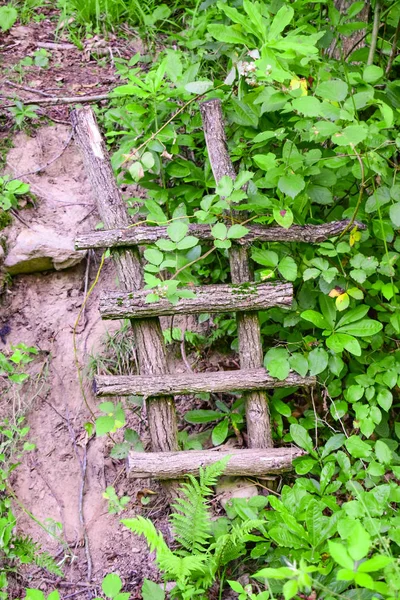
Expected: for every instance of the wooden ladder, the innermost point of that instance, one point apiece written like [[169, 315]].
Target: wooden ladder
[[242, 296]]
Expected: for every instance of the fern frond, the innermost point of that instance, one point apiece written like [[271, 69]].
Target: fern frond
[[154, 538], [230, 546], [209, 475], [191, 521], [28, 551], [179, 568]]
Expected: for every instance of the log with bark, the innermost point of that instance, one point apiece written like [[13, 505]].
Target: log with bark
[[195, 383], [207, 299], [147, 333], [242, 463], [143, 235]]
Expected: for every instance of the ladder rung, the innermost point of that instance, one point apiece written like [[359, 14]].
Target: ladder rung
[[194, 383], [143, 235], [250, 462], [246, 297]]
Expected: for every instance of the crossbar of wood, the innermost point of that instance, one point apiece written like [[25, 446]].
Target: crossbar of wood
[[195, 383], [174, 465], [147, 234], [207, 299]]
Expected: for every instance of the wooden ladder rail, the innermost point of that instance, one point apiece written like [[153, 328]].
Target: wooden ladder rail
[[149, 342]]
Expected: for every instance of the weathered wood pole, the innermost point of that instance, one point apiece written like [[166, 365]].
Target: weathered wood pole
[[147, 333], [250, 347]]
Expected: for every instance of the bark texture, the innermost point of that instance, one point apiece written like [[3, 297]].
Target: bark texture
[[194, 383], [208, 299], [147, 332], [250, 347], [143, 235], [174, 465]]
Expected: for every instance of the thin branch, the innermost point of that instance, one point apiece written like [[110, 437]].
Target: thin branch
[[393, 51], [374, 36], [26, 88], [68, 100]]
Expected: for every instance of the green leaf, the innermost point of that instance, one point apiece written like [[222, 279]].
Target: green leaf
[[203, 416], [291, 185], [309, 106], [104, 425], [341, 341], [350, 136], [385, 399], [359, 542], [290, 589], [8, 16], [333, 443], [283, 217], [315, 318], [379, 198], [335, 90], [177, 230], [288, 268], [228, 34], [394, 213], [265, 161], [354, 315], [383, 453], [357, 448], [199, 87], [267, 258], [318, 361], [340, 555], [111, 585], [281, 20], [363, 328], [279, 368], [320, 194], [32, 594], [219, 231], [299, 363], [152, 591], [225, 186], [236, 232], [372, 73], [376, 563], [153, 256], [301, 437], [220, 432], [188, 242]]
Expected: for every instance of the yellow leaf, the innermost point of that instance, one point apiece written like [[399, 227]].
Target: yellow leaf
[[342, 301], [296, 83], [334, 293], [355, 236]]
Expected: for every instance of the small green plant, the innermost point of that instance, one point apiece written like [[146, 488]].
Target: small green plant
[[12, 365], [23, 113], [8, 16], [116, 504], [11, 190]]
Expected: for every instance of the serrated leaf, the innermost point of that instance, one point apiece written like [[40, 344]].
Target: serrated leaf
[[198, 87], [288, 268], [334, 90], [291, 185], [284, 217]]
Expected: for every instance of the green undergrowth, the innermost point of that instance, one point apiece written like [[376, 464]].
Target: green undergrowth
[[313, 135]]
